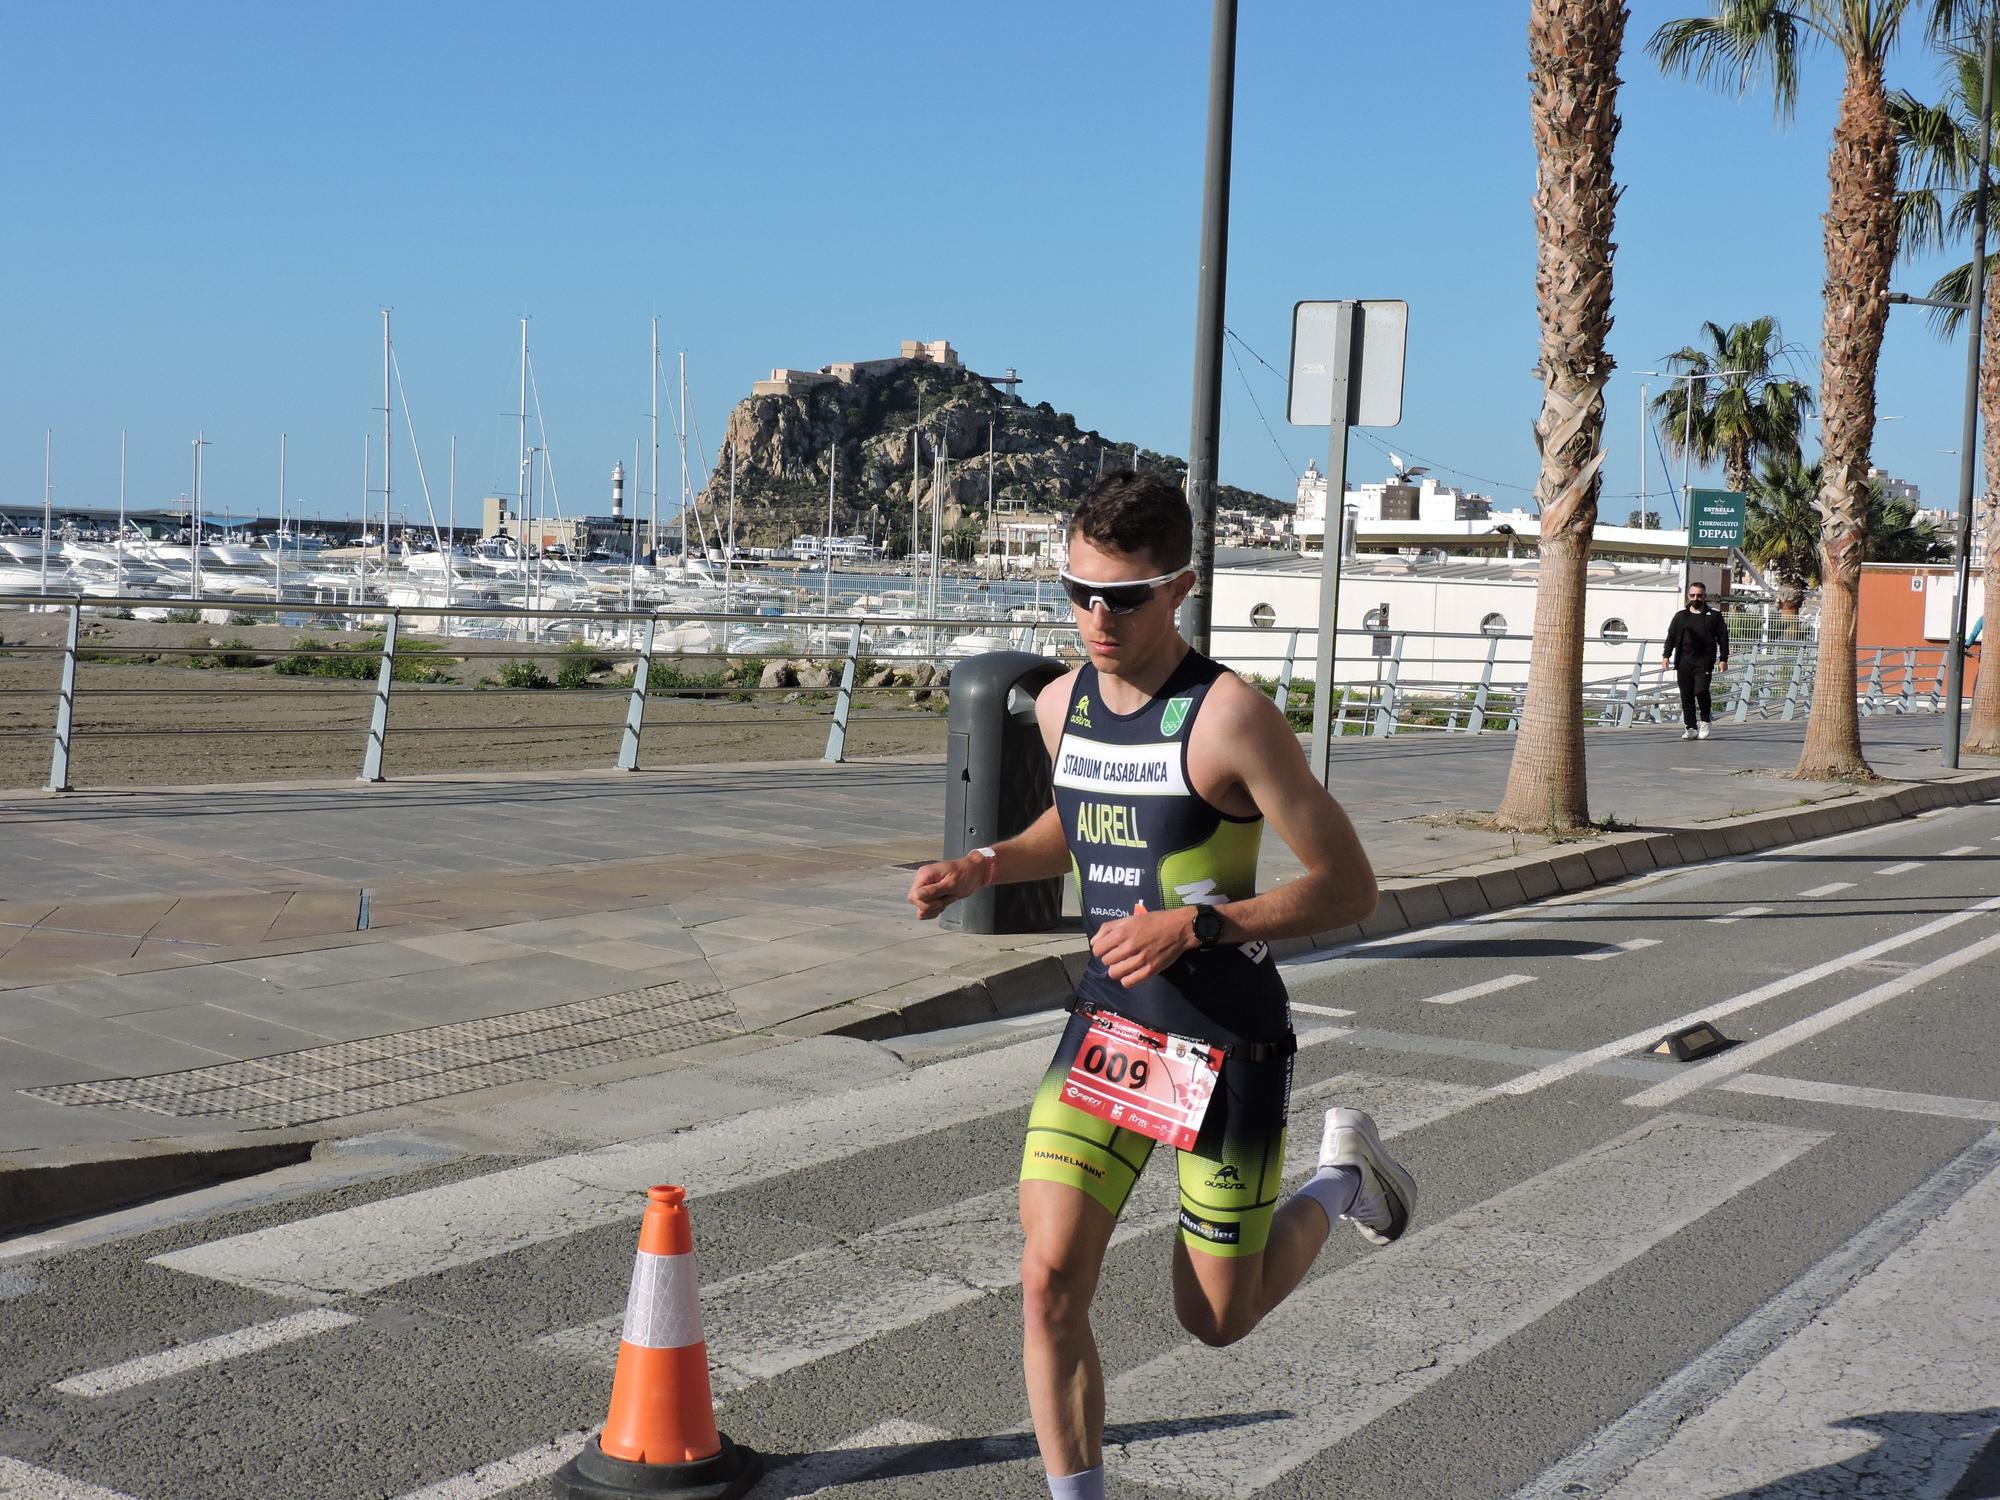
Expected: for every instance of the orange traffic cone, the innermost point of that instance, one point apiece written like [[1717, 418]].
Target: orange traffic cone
[[661, 1438]]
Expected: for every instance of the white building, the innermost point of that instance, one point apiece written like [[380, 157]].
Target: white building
[[1466, 610], [1394, 500]]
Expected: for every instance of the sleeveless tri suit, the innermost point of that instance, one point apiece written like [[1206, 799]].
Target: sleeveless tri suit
[[1139, 831]]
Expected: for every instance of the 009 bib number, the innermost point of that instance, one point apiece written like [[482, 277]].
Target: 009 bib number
[[1139, 1079]]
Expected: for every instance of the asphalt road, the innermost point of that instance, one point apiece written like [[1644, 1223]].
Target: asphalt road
[[1766, 1274]]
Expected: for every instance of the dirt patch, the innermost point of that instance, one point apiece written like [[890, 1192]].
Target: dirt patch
[[194, 704]]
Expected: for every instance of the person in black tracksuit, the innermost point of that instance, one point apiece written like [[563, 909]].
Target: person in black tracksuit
[[1697, 647]]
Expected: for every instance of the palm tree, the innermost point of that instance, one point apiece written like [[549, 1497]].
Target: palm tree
[[1738, 417], [1740, 43], [1782, 529], [1573, 48], [1940, 146]]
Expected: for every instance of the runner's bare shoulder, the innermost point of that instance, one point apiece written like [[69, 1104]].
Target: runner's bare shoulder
[[1050, 705]]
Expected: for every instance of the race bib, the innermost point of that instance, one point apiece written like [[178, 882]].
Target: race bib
[[1140, 1079]]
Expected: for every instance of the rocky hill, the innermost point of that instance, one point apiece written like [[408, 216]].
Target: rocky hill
[[786, 444]]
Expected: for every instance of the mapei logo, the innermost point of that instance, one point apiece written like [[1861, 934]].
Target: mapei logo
[[1080, 715], [1175, 714], [1113, 875]]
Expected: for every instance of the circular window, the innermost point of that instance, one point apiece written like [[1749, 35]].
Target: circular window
[[1263, 616], [1372, 620], [1615, 633], [1494, 624]]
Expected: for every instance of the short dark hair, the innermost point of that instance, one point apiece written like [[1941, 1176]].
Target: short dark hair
[[1126, 511]]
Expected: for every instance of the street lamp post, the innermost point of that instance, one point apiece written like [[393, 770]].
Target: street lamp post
[[1687, 453]]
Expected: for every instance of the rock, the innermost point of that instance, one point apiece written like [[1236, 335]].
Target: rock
[[879, 679], [813, 676], [923, 676], [778, 674]]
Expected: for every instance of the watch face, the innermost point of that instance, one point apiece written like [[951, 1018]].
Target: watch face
[[1207, 924]]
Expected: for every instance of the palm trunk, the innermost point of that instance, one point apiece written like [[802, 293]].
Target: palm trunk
[[1573, 48], [1860, 245], [1982, 735]]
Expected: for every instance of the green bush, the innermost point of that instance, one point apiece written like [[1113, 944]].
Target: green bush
[[183, 617], [578, 661], [360, 661], [243, 617], [236, 653], [520, 673]]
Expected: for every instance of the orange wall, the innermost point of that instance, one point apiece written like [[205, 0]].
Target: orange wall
[[1892, 614]]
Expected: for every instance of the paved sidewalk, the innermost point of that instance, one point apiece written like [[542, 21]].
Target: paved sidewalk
[[193, 965]]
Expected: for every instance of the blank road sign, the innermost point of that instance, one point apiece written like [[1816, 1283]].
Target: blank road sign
[[1375, 378]]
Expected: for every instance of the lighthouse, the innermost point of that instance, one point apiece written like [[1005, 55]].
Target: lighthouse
[[618, 491]]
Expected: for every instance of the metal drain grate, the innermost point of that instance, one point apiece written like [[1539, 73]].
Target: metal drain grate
[[407, 1067]]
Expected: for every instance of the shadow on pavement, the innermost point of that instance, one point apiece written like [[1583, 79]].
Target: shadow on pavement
[[1901, 1464]]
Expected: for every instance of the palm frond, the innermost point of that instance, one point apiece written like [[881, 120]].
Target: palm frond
[[1919, 222], [1954, 286], [1937, 148], [1744, 41]]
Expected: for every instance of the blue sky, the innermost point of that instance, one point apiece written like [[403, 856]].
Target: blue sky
[[208, 204]]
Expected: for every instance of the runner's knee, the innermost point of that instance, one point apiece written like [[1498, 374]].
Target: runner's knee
[[1216, 1327], [1054, 1289]]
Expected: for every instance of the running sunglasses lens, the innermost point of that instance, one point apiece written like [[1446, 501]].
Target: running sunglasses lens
[[1119, 598]]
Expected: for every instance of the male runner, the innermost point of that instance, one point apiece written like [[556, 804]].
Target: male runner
[[1167, 766]]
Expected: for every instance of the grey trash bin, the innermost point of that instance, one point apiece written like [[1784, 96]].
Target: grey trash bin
[[998, 783]]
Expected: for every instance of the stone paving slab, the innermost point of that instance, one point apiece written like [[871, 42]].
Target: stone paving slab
[[779, 887]]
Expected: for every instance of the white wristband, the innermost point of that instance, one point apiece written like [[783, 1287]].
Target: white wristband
[[992, 864]]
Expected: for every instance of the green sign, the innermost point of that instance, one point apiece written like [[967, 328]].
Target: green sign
[[1717, 517]]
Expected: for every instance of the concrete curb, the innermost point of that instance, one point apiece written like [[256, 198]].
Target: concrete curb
[[1015, 987], [51, 1190]]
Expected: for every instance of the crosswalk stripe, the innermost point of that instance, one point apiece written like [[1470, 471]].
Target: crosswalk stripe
[[1857, 1096], [1902, 867], [25, 1481], [1833, 1402], [849, 1461], [1740, 913], [1962, 849], [1831, 888], [1742, 1057], [1614, 1450], [504, 1474], [1579, 1062], [210, 1351], [836, 1297], [1332, 1012], [1475, 991], [1350, 1347], [1630, 945], [375, 1245]]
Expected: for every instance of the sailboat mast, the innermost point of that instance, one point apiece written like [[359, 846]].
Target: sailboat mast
[[522, 520], [280, 585], [653, 524], [121, 510], [48, 511], [684, 459], [729, 554], [826, 547], [451, 522], [388, 445]]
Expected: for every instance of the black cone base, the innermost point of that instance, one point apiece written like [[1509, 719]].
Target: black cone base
[[595, 1475]]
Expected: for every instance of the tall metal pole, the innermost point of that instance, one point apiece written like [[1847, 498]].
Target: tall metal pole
[[1642, 456], [1208, 321], [826, 547], [1333, 537], [451, 526], [731, 548], [916, 484], [1968, 450], [1687, 522]]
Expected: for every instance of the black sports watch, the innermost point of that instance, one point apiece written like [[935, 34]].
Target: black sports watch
[[1207, 926]]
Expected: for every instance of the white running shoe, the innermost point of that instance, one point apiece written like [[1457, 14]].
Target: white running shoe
[[1388, 1195], [1703, 733], [1687, 734]]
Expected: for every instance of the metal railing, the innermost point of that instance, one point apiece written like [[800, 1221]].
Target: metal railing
[[637, 637], [1426, 681]]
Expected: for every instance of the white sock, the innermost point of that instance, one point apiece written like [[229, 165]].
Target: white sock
[[1333, 1189], [1089, 1485]]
